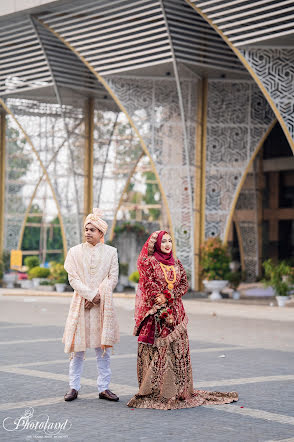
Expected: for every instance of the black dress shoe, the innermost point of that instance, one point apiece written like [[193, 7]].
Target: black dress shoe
[[71, 395], [108, 395]]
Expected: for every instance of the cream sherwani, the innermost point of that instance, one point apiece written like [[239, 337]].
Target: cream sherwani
[[91, 270]]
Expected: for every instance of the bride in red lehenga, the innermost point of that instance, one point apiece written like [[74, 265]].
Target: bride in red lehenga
[[164, 365]]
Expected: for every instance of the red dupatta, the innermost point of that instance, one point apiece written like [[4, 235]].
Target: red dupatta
[[142, 305]]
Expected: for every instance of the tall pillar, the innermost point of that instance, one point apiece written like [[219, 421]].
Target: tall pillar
[[2, 176], [259, 209], [89, 156], [199, 205]]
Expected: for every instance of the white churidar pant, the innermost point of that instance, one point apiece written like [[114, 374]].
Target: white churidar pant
[[103, 367]]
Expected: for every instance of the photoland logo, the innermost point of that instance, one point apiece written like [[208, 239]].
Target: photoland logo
[[39, 424]]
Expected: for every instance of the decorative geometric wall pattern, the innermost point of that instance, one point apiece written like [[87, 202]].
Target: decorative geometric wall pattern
[[248, 229], [154, 108], [237, 117], [275, 69]]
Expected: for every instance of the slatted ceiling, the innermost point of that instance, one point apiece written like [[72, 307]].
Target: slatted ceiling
[[245, 21], [37, 67], [130, 35], [127, 29], [155, 41], [136, 64], [22, 62], [229, 5], [194, 41], [131, 67], [138, 26], [67, 69], [109, 59], [127, 36], [265, 24], [93, 25], [250, 22], [78, 11], [249, 10]]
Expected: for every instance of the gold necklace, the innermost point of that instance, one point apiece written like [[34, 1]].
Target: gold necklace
[[170, 283]]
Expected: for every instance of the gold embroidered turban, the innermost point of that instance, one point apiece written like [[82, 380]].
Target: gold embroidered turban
[[95, 219]]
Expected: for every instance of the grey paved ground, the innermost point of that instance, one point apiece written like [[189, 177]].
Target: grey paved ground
[[249, 350]]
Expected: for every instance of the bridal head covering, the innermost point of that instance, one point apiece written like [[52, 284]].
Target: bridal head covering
[[164, 258], [96, 220], [150, 248]]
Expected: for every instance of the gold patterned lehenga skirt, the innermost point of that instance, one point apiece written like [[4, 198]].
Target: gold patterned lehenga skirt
[[165, 378]]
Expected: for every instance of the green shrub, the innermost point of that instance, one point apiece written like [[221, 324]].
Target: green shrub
[[1, 269], [38, 272], [274, 274], [137, 228], [5, 261], [215, 260], [235, 279], [31, 261], [58, 273], [123, 268], [134, 277], [47, 282]]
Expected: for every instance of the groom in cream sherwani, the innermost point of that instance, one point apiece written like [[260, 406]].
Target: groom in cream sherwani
[[91, 323]]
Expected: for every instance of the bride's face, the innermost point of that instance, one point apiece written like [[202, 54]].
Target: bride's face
[[166, 243]]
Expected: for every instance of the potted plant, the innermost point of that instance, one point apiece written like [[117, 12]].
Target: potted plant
[[29, 262], [59, 275], [134, 277], [38, 274], [47, 285], [275, 278], [123, 273], [214, 262], [1, 269], [8, 278], [234, 279]]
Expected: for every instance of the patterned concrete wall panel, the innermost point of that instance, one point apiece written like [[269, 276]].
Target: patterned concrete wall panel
[[248, 232], [238, 117], [275, 69], [154, 108]]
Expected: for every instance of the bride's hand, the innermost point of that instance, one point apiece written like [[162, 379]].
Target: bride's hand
[[160, 299]]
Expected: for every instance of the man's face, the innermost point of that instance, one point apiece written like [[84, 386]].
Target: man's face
[[92, 234], [166, 243]]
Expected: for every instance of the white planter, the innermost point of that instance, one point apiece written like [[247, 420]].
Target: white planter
[[46, 288], [124, 280], [36, 281], [26, 284], [215, 287], [281, 300], [10, 279], [60, 287], [236, 294], [119, 287]]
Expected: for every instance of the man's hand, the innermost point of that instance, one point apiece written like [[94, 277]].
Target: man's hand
[[96, 300], [88, 305]]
